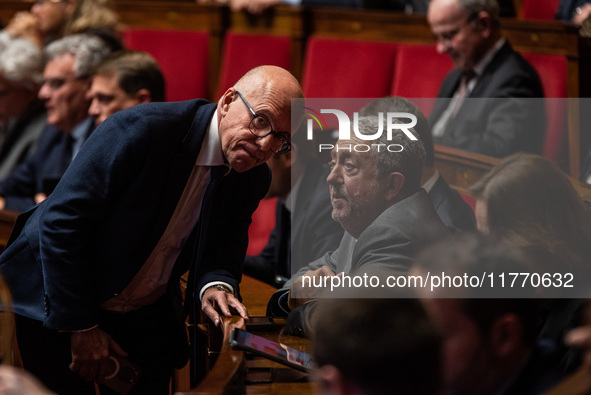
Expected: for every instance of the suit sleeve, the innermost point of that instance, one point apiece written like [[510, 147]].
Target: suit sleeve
[[227, 232], [72, 215], [277, 305]]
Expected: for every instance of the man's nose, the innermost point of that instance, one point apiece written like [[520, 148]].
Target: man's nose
[[265, 143], [44, 92], [441, 47], [334, 177], [93, 109]]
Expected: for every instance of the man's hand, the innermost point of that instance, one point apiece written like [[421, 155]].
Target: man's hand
[[90, 354], [39, 197], [298, 294], [583, 12], [215, 300]]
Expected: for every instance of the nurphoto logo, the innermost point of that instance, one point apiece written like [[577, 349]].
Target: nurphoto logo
[[344, 129]]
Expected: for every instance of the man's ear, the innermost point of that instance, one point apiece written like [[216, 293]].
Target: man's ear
[[506, 335], [71, 6], [483, 24], [143, 96], [395, 183], [331, 381], [225, 101], [286, 159]]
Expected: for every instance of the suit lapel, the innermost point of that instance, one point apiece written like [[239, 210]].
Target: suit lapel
[[484, 80]]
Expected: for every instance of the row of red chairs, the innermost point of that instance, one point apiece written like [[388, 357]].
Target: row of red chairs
[[331, 68]]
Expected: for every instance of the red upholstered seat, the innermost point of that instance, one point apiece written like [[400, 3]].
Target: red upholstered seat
[[469, 199], [539, 9], [183, 57], [553, 73], [418, 73], [347, 68], [243, 52], [263, 222]]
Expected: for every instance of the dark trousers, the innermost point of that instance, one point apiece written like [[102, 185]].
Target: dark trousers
[[152, 337]]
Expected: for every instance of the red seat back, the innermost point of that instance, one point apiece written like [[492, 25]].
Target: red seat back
[[347, 68], [243, 52], [552, 70], [539, 9], [418, 73], [183, 58], [263, 222]]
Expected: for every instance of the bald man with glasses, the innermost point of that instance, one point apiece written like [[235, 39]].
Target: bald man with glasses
[[160, 189]]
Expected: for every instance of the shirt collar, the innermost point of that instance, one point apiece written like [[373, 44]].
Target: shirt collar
[[80, 130], [211, 150], [427, 186], [487, 58]]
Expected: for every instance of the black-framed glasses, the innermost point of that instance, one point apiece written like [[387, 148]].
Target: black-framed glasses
[[261, 127]]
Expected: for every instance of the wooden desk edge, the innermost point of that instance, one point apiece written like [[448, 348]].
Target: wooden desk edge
[[226, 377]]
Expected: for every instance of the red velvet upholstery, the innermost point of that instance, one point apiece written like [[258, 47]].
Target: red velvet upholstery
[[418, 73], [347, 68], [470, 200], [183, 58], [263, 222], [539, 9], [553, 73], [243, 52]]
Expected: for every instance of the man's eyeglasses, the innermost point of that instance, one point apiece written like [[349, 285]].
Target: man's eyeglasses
[[260, 127], [56, 83], [446, 38]]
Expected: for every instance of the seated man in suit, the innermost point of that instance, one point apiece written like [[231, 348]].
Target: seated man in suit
[[449, 205], [377, 198], [22, 115], [304, 229], [159, 189], [400, 355], [67, 78], [489, 342], [486, 66], [124, 79]]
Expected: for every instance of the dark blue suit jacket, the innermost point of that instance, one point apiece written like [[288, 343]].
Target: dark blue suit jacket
[[49, 162], [85, 243], [508, 120]]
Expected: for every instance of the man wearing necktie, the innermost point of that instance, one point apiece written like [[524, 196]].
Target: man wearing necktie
[[158, 190], [485, 104]]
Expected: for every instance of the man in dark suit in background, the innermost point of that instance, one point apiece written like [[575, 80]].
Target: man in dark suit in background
[[158, 190], [304, 229], [448, 204], [67, 78], [508, 121]]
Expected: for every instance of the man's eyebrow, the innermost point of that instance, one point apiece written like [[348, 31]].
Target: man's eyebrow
[[268, 115]]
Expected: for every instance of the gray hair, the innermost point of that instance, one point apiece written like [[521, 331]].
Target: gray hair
[[21, 62], [473, 7], [409, 161], [87, 50]]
